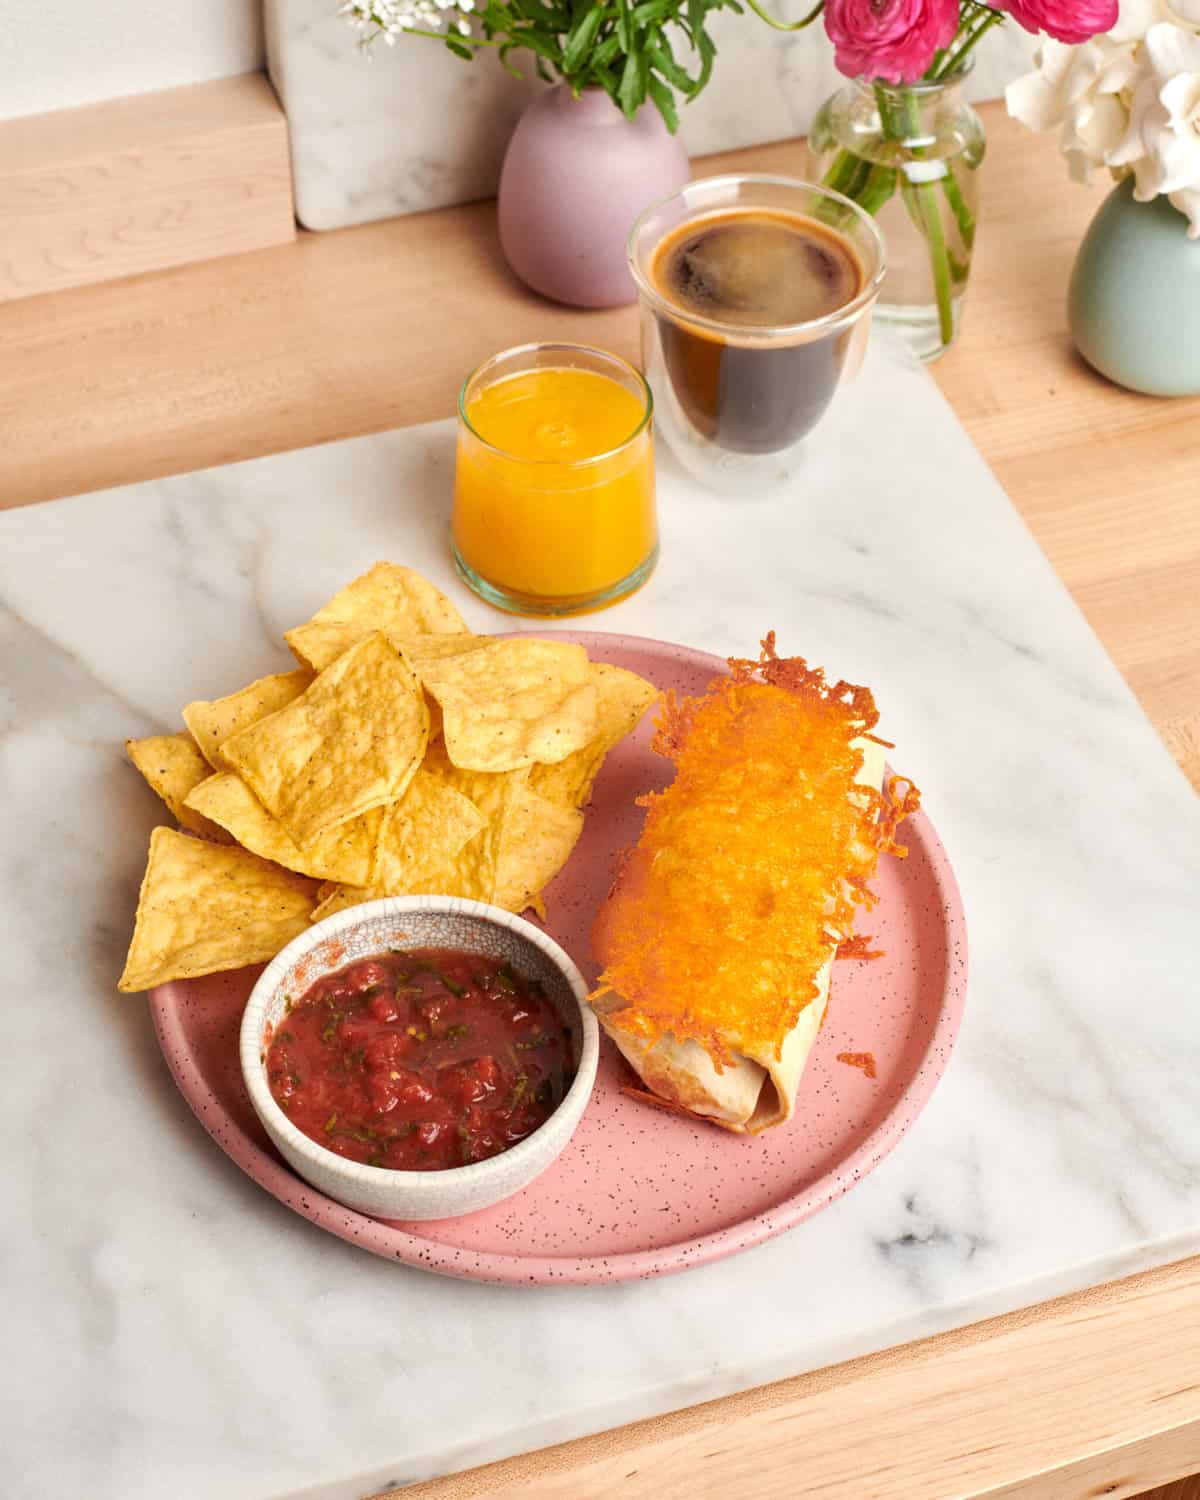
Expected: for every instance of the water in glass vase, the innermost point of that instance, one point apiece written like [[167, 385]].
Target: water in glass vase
[[910, 155]]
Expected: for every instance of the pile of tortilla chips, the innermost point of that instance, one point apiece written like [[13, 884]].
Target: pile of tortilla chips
[[404, 756]]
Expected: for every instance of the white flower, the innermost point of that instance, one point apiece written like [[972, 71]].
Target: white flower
[[1137, 16], [1084, 91], [390, 19], [1129, 101], [1187, 201], [1162, 143]]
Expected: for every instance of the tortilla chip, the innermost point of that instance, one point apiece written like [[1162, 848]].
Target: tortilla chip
[[174, 767], [344, 853], [319, 645], [422, 837], [512, 703], [213, 722], [422, 851], [508, 862], [492, 794], [621, 699], [350, 742], [473, 870], [207, 907], [486, 789], [389, 598], [334, 898], [524, 843], [422, 648], [535, 839]]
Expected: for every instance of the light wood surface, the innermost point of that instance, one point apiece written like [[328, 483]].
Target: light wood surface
[[1056, 1403], [131, 185], [373, 327]]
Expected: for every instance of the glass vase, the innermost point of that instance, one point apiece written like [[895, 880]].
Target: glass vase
[[910, 155]]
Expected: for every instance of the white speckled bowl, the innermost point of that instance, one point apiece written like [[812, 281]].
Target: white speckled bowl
[[419, 922]]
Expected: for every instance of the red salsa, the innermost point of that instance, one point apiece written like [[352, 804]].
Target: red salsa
[[421, 1059]]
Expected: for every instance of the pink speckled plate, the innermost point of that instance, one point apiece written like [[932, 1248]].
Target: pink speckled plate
[[640, 1191]]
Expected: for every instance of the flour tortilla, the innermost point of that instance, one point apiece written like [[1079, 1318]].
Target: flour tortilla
[[757, 1090]]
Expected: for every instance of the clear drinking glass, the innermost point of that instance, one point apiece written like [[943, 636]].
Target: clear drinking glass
[[736, 400], [554, 494]]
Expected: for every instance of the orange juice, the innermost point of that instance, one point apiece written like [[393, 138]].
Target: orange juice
[[554, 488]]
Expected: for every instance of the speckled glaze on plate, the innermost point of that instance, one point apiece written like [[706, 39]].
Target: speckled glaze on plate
[[640, 1191]]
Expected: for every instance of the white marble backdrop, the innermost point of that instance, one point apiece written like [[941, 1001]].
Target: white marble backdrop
[[171, 1330], [416, 128]]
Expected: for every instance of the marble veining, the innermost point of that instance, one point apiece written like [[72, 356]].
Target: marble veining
[[415, 128], [171, 1329]]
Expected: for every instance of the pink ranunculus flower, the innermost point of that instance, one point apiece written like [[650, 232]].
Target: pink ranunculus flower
[[1070, 21], [890, 39]]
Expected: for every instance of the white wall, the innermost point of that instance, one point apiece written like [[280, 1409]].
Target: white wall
[[56, 53]]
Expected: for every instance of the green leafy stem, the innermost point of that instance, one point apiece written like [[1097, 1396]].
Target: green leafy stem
[[872, 184], [619, 46]]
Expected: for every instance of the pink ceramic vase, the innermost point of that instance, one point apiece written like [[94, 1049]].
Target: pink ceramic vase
[[576, 176]]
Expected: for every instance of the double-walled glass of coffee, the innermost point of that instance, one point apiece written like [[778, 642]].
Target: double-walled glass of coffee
[[756, 294]]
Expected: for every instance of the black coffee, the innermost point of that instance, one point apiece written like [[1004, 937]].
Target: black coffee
[[758, 269], [751, 268]]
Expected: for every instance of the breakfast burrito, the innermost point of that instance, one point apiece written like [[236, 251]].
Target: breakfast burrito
[[718, 940]]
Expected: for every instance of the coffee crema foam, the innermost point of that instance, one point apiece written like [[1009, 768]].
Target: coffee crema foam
[[757, 268]]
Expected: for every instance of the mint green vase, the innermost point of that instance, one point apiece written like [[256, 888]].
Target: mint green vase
[[1134, 303]]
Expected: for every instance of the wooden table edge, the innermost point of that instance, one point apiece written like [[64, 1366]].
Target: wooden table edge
[[1004, 1422]]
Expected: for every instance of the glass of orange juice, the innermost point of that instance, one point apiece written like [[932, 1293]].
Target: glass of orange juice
[[554, 509]]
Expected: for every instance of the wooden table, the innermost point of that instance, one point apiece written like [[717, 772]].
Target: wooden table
[[370, 328]]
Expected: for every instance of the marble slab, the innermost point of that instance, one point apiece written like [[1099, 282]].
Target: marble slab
[[170, 1329], [414, 127]]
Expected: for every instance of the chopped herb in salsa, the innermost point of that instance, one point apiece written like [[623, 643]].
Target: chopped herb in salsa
[[421, 1059]]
